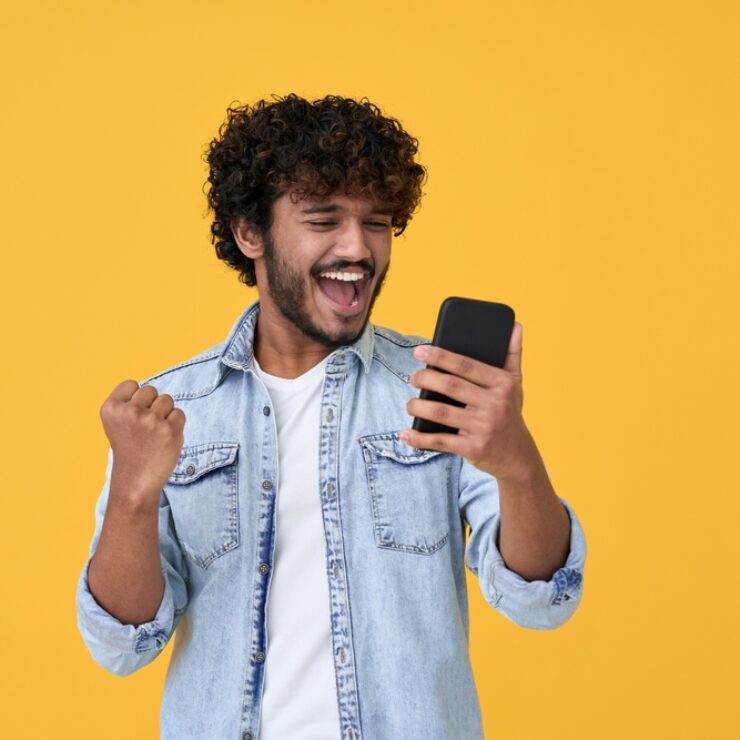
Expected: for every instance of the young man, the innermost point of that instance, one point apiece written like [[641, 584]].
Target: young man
[[309, 547]]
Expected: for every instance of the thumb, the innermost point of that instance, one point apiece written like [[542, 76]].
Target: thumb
[[513, 361]]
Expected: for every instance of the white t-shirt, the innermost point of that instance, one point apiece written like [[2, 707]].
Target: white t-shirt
[[299, 698]]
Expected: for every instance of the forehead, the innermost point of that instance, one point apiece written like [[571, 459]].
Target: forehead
[[335, 203]]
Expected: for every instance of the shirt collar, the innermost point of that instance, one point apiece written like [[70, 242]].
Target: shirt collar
[[239, 347]]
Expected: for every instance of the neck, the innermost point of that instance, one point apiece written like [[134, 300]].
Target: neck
[[281, 349]]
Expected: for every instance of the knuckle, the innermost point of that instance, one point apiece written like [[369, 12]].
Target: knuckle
[[442, 411], [129, 386], [464, 365], [150, 421], [453, 384]]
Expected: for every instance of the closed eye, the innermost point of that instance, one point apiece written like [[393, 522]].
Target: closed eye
[[377, 224]]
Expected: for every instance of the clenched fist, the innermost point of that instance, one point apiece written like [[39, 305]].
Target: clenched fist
[[145, 432]]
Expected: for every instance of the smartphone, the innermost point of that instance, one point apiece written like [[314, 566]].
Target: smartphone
[[479, 329]]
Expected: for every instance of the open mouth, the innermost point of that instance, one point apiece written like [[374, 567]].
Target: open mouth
[[345, 289]]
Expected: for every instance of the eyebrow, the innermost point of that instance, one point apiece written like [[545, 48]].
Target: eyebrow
[[334, 208]]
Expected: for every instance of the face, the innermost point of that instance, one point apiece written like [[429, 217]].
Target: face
[[324, 263]]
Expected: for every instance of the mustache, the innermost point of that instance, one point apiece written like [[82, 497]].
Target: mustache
[[340, 265]]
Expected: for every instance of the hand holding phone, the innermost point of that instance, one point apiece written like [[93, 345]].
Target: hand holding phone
[[478, 329]]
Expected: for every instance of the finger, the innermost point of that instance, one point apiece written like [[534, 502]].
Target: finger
[[451, 385], [444, 442], [163, 405], [465, 367], [442, 413], [513, 361], [144, 396], [177, 417], [124, 390]]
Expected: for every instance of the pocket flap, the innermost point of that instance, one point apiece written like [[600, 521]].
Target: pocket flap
[[196, 460], [389, 445]]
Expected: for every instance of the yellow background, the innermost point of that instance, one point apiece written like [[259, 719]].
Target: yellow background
[[583, 167]]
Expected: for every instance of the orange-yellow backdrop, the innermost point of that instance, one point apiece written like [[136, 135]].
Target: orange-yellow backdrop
[[583, 166]]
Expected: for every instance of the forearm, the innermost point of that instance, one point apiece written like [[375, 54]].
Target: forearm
[[534, 531], [125, 575]]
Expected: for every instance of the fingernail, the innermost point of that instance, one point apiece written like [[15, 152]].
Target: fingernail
[[421, 352]]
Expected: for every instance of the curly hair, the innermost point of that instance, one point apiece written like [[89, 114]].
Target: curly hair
[[331, 145]]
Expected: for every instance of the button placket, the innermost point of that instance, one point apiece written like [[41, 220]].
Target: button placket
[[329, 491]]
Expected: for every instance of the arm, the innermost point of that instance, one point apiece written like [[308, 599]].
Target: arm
[[505, 492], [114, 643], [543, 602], [132, 589], [534, 534], [128, 546]]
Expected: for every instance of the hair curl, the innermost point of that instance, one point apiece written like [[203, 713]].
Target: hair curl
[[331, 145]]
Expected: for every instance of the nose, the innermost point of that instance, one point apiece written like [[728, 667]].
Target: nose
[[351, 243]]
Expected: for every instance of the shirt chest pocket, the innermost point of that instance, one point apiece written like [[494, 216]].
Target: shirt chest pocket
[[204, 500], [409, 494]]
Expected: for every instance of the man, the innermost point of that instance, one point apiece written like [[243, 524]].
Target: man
[[308, 546]]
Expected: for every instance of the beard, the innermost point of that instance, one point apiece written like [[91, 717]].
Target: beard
[[288, 291]]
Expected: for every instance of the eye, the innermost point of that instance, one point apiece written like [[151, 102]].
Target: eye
[[322, 223], [379, 224]]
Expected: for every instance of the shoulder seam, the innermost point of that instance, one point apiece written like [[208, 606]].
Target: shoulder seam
[[197, 359]]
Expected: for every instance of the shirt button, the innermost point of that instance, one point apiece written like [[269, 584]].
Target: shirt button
[[330, 415], [260, 657], [342, 655], [266, 410], [247, 736], [267, 485], [329, 490], [264, 568], [340, 357], [336, 570], [190, 469]]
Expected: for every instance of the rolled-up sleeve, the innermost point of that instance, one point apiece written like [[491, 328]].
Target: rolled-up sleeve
[[124, 648], [535, 604]]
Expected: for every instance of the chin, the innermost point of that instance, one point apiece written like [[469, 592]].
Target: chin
[[338, 338]]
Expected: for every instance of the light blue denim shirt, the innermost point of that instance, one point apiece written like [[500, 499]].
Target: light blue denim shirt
[[400, 526]]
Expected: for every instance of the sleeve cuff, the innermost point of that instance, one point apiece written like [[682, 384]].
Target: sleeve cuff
[[122, 648], [537, 604]]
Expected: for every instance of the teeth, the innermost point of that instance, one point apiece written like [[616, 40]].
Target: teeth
[[346, 276]]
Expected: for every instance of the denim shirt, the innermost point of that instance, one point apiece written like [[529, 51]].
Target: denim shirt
[[400, 525]]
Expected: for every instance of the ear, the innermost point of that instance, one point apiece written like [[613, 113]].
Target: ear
[[247, 238]]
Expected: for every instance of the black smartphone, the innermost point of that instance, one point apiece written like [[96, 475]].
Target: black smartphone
[[479, 329]]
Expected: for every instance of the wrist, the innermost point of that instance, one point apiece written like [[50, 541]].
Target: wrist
[[132, 495]]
